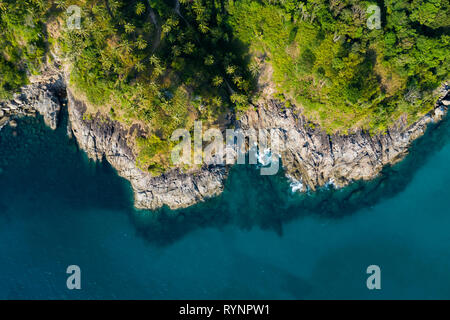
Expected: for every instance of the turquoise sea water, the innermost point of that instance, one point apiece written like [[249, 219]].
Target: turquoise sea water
[[256, 241]]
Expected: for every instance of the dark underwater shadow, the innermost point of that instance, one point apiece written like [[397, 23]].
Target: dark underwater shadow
[[37, 162], [251, 200]]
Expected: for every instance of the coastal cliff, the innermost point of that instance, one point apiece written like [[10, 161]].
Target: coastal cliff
[[311, 157], [103, 138], [45, 94], [138, 73]]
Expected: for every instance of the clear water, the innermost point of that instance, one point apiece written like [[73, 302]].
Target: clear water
[[256, 241]]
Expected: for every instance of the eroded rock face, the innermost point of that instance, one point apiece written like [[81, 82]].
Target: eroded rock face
[[314, 158], [45, 95], [102, 138], [309, 156]]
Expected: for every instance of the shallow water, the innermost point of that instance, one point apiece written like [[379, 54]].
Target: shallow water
[[256, 241]]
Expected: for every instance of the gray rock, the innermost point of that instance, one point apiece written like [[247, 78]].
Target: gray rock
[[45, 100], [42, 95], [103, 138], [3, 121], [13, 124], [309, 155], [317, 159]]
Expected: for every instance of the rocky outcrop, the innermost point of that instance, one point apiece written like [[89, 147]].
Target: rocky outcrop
[[45, 94], [312, 158], [309, 156], [103, 138]]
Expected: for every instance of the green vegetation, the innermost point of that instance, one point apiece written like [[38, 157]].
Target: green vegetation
[[341, 73], [166, 63], [162, 63], [22, 45], [158, 65], [153, 154]]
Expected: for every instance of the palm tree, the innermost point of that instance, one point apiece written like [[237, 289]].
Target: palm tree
[[198, 8], [154, 60], [126, 46], [140, 8], [238, 81], [189, 48], [176, 50], [106, 61], [231, 69], [40, 4], [254, 68], [139, 66], [141, 43], [303, 12], [158, 70], [114, 5], [217, 81], [203, 27], [209, 60], [129, 28], [61, 4]]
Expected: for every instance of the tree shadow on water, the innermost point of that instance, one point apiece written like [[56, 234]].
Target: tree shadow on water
[[251, 200], [47, 170]]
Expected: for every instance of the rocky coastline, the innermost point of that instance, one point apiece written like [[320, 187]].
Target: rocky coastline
[[311, 158], [44, 95], [103, 138]]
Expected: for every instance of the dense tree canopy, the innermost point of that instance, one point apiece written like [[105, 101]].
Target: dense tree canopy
[[22, 42], [342, 73]]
